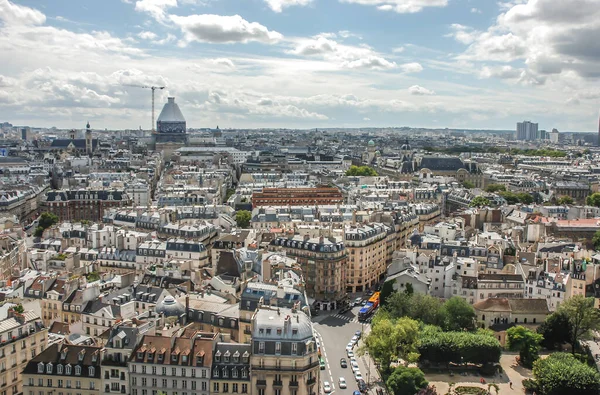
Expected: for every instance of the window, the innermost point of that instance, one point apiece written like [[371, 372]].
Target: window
[[244, 388], [225, 373], [294, 348], [60, 383], [77, 384], [215, 387], [77, 370], [173, 371], [164, 383], [216, 372], [261, 347], [91, 371], [153, 369], [49, 382], [234, 387], [92, 385], [40, 367], [49, 368], [277, 347], [225, 387], [204, 385], [59, 369], [244, 373], [234, 373]]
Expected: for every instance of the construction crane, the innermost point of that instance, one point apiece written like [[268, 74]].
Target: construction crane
[[153, 89]]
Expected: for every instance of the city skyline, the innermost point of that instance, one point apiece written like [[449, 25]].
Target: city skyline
[[290, 63]]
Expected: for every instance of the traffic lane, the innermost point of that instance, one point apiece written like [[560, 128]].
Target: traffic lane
[[333, 344]]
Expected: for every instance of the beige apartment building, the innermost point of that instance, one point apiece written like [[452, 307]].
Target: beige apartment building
[[64, 369], [22, 336], [366, 246], [284, 357]]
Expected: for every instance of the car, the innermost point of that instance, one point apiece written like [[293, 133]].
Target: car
[[358, 334], [326, 387], [342, 384], [350, 353], [357, 301], [362, 386], [369, 293], [354, 366], [352, 359], [314, 312], [349, 347], [343, 363], [364, 302], [356, 393], [321, 363], [354, 340], [357, 375]]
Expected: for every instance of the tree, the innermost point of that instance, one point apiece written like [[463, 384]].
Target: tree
[[495, 188], [361, 171], [427, 309], [468, 185], [406, 381], [593, 199], [19, 308], [386, 291], [391, 339], [596, 240], [243, 218], [458, 315], [397, 304], [555, 330], [525, 198], [429, 390], [479, 347], [582, 316], [562, 373], [479, 201], [46, 220], [409, 290], [527, 342], [565, 199]]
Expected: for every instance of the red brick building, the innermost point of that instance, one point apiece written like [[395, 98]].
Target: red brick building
[[297, 197], [84, 204]]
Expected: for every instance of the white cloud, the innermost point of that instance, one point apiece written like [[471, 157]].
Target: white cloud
[[400, 6], [14, 14], [223, 62], [6, 81], [156, 8], [411, 67], [503, 72], [398, 50], [279, 5], [318, 46], [420, 91], [463, 34], [370, 62], [223, 29], [366, 119], [475, 10], [147, 35]]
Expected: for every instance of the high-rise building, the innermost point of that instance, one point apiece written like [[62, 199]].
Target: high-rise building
[[527, 130]]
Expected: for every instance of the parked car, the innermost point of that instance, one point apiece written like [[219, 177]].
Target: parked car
[[349, 347], [357, 301], [342, 383], [350, 353], [369, 293], [343, 363], [357, 375], [354, 366], [362, 386], [321, 363], [354, 340], [358, 334], [364, 302], [326, 387]]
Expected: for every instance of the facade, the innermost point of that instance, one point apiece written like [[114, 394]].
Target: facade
[[13, 256], [323, 261], [173, 365], [527, 131], [366, 246], [284, 357], [89, 205], [297, 197], [231, 369], [64, 369], [119, 347], [171, 132], [22, 336]]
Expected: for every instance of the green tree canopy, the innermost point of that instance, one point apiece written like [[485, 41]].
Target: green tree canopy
[[390, 339], [458, 315], [582, 316], [562, 373], [565, 200], [495, 188], [468, 185], [19, 308], [46, 220], [358, 171], [386, 291], [526, 342], [596, 240], [480, 201], [243, 218], [593, 199], [406, 381], [555, 330]]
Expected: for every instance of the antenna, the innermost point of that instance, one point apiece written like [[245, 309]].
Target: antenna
[[153, 88]]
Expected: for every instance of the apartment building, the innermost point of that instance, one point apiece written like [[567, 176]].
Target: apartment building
[[64, 369], [180, 364], [284, 357], [84, 204], [323, 261], [231, 369], [22, 336], [122, 339], [13, 255], [366, 246]]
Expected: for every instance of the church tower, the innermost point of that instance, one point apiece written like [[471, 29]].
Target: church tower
[[88, 140]]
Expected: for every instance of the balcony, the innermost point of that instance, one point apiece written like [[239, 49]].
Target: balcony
[[311, 381], [277, 383], [261, 383], [293, 384]]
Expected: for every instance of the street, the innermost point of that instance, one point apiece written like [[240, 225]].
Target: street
[[334, 332]]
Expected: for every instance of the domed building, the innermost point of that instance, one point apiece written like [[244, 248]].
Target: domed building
[[171, 130], [170, 307], [371, 153]]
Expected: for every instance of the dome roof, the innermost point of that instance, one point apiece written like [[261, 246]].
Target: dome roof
[[171, 112], [415, 238], [371, 143], [170, 307]]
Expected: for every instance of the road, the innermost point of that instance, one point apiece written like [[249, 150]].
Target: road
[[334, 332]]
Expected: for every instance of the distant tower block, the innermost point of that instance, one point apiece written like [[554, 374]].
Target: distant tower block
[[88, 140]]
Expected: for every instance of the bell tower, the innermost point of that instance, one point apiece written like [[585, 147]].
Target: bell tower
[[88, 140]]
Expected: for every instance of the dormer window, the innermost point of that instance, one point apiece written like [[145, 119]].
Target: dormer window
[[244, 373], [141, 355], [227, 356], [49, 368], [40, 367], [59, 369], [245, 357], [174, 358], [216, 372], [184, 358], [77, 370], [81, 355], [94, 357], [218, 356], [68, 369], [236, 356], [234, 373], [63, 354], [150, 356], [91, 371], [199, 360]]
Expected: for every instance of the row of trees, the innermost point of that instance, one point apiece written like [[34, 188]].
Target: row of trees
[[358, 171], [46, 220], [479, 347], [513, 198]]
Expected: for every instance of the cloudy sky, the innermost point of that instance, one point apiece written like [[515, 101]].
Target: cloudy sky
[[302, 63]]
